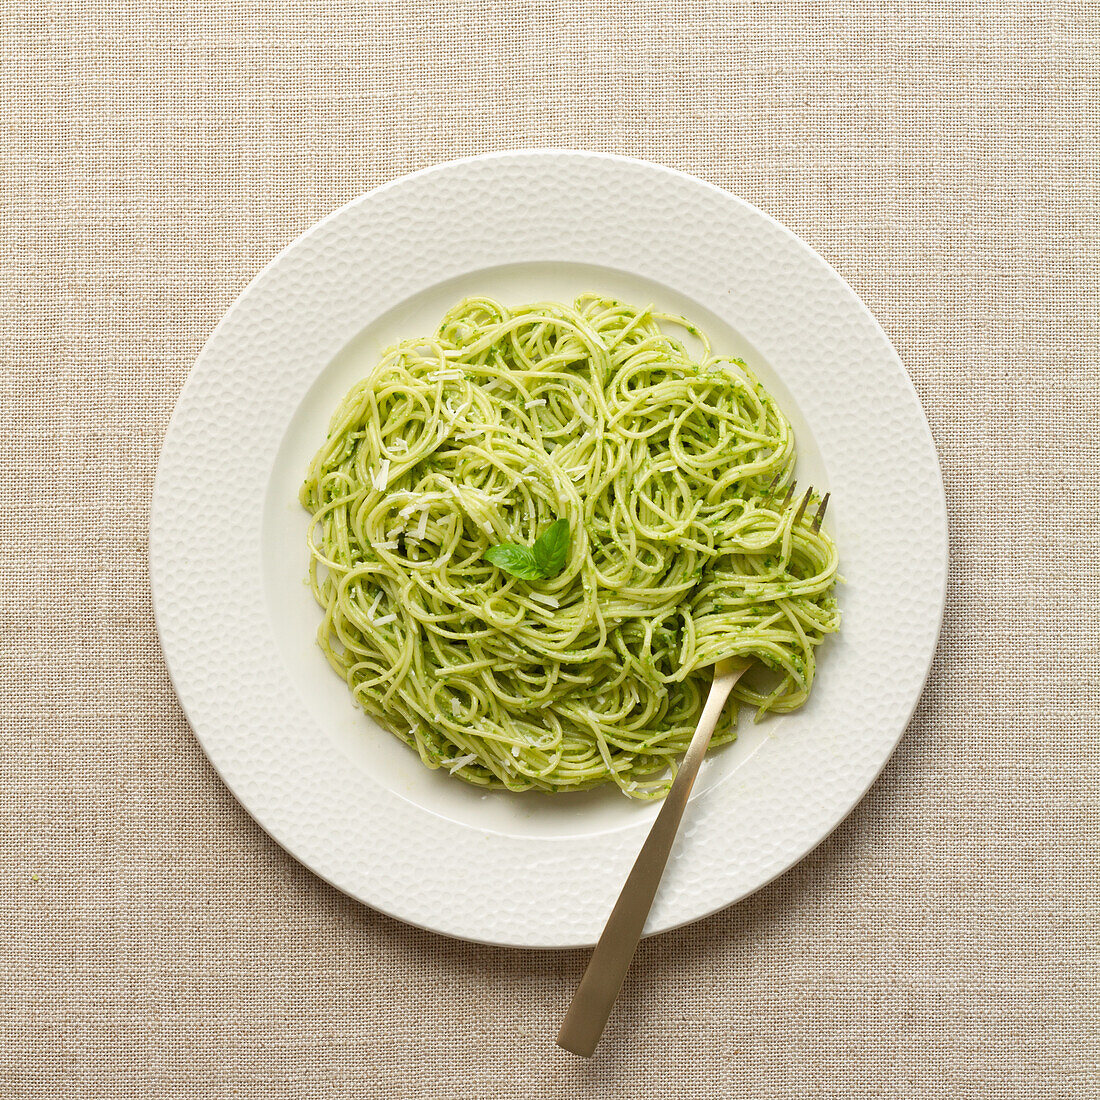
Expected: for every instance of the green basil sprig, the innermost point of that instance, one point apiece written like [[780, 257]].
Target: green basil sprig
[[545, 559]]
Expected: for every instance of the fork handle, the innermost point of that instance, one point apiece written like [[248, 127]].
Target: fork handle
[[591, 1006]]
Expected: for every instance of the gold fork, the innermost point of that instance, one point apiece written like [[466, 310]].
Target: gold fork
[[591, 1006]]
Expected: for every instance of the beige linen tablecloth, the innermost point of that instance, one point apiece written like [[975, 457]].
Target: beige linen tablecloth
[[943, 943]]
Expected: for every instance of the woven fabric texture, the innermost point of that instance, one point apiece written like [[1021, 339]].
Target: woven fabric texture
[[944, 941]]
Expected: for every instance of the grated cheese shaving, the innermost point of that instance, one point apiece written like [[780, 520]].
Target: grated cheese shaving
[[382, 477]]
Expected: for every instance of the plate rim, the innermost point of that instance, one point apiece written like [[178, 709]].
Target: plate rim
[[158, 503]]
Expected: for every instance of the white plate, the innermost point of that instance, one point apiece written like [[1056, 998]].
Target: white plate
[[227, 550]]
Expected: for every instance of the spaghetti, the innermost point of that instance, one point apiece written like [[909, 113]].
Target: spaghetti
[[682, 545]]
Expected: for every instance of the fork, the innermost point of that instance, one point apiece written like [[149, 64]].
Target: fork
[[591, 1006]]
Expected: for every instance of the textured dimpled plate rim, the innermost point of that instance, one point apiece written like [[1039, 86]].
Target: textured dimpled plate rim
[[550, 206]]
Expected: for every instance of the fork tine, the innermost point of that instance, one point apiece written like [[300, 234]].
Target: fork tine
[[816, 525], [786, 497], [802, 507], [772, 484]]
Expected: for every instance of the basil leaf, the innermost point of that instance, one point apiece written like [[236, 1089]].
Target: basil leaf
[[515, 559], [552, 548]]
